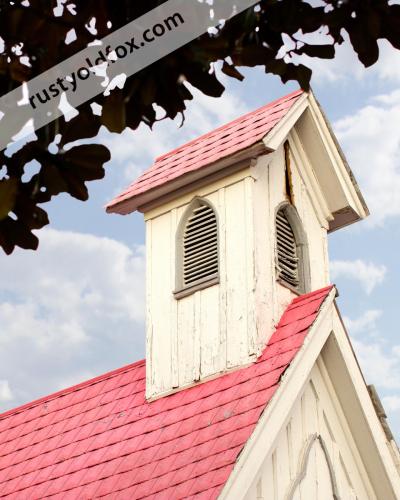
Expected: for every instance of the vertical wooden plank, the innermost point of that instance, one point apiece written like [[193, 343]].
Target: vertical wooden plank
[[186, 313], [263, 256], [174, 303], [259, 490], [236, 275], [149, 308], [308, 487], [324, 483], [267, 479], [297, 437], [289, 441], [185, 329], [196, 336], [249, 238], [222, 300], [160, 302], [209, 332], [282, 463], [275, 476]]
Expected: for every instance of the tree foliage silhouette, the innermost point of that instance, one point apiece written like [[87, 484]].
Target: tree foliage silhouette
[[36, 32]]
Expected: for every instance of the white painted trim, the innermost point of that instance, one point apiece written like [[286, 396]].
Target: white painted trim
[[334, 401], [365, 405], [328, 325], [278, 134], [262, 440], [346, 180], [161, 194], [308, 176], [345, 177]]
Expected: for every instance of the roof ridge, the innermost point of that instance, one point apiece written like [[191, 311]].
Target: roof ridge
[[72, 388], [271, 104]]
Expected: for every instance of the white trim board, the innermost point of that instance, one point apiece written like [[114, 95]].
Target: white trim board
[[326, 336]]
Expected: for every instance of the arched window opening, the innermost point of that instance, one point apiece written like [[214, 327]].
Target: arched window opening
[[197, 247], [288, 261], [291, 249]]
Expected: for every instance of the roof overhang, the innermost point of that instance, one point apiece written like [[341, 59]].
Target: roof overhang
[[339, 191], [336, 182], [203, 176]]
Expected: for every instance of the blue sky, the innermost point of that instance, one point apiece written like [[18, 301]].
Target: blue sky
[[75, 308]]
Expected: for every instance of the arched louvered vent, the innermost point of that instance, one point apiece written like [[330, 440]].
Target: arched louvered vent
[[287, 258], [200, 246]]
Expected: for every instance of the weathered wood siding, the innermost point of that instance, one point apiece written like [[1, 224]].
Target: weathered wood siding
[[315, 456], [227, 324]]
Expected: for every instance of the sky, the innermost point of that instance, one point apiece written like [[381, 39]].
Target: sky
[[75, 308]]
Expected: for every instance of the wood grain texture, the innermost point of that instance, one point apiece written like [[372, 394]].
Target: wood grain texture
[[314, 456], [226, 325]]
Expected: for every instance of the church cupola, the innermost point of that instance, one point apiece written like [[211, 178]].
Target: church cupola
[[236, 226]]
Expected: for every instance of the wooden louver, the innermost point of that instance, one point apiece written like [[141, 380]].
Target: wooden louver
[[288, 262], [200, 246]]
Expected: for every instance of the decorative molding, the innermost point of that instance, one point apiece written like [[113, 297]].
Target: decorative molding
[[302, 249], [303, 463], [308, 176], [182, 289], [278, 134]]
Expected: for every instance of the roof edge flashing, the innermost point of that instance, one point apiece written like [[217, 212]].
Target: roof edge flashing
[[207, 174]]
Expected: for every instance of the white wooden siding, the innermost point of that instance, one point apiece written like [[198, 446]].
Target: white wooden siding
[[332, 464], [227, 324]]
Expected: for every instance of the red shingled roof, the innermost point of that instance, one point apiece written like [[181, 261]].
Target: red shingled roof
[[101, 438], [220, 143]]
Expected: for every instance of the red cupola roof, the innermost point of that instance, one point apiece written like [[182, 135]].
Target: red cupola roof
[[225, 141]]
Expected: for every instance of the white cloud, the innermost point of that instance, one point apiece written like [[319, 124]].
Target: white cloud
[[365, 323], [370, 140], [346, 67], [5, 391], [368, 274], [75, 378], [73, 309], [380, 366], [391, 403], [379, 362]]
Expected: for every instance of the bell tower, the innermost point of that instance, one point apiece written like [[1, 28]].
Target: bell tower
[[236, 226]]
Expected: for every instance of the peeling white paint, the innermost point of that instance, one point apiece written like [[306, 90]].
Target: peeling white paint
[[225, 325]]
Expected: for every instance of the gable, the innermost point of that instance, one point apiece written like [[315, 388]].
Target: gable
[[314, 455], [320, 433], [102, 438]]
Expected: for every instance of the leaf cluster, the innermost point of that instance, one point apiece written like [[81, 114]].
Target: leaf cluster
[[271, 35]]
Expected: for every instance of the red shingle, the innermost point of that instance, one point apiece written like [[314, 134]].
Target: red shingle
[[231, 138], [105, 439]]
